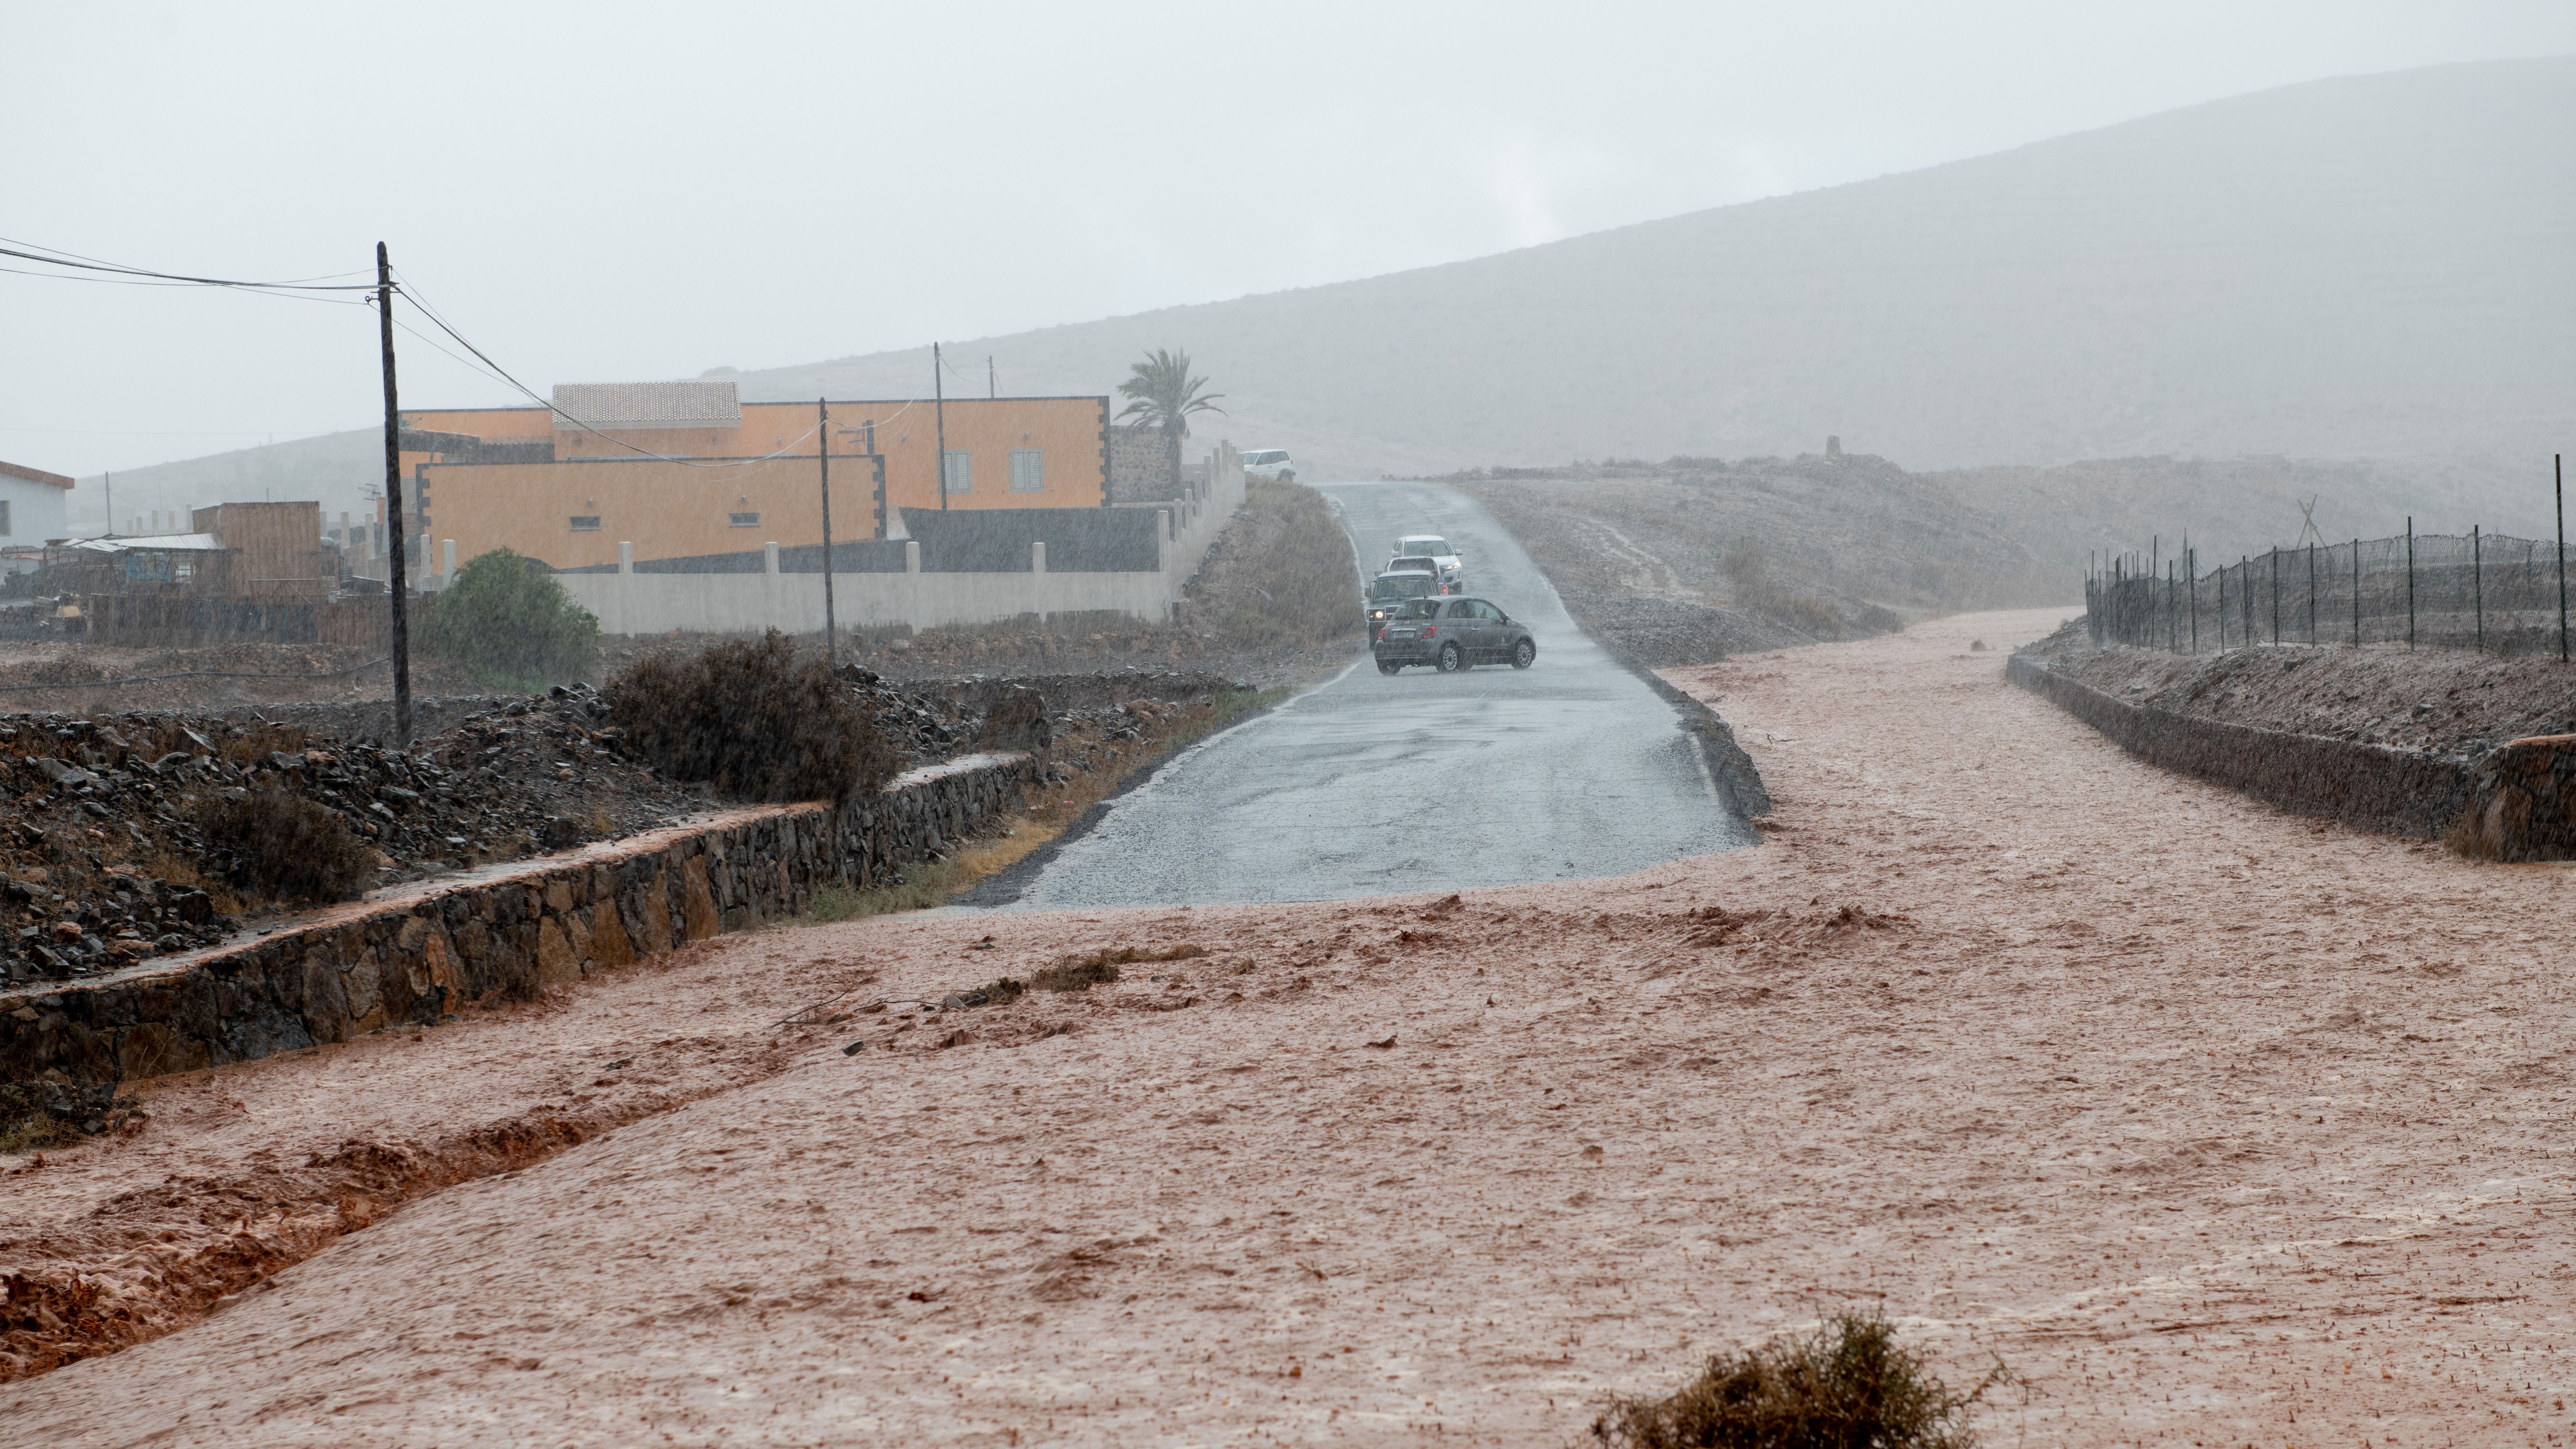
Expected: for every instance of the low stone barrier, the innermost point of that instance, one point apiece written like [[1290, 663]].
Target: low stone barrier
[[415, 953], [2370, 787]]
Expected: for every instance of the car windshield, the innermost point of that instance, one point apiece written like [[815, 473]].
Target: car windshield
[[1400, 586], [1412, 565], [1430, 546], [1416, 609]]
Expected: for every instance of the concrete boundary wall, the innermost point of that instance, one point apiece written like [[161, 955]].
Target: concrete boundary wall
[[629, 602], [416, 953], [2370, 787]]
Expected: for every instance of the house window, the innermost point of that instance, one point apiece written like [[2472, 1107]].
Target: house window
[[959, 474], [1028, 470], [4, 518], [585, 523], [742, 520]]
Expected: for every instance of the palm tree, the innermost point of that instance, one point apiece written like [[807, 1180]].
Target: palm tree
[[1164, 395]]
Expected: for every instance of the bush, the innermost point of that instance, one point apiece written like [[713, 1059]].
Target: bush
[[511, 625], [270, 844], [753, 720], [1846, 1386]]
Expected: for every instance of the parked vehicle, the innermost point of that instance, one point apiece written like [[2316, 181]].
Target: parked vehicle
[[1389, 592], [1452, 565], [1269, 463], [1421, 565], [1451, 635]]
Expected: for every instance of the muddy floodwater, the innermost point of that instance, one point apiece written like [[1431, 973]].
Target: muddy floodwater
[[1370, 784]]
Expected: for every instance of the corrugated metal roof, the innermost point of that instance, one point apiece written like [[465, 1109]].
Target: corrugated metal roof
[[176, 542], [39, 475], [632, 406]]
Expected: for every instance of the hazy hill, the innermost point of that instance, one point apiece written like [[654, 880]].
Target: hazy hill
[[2370, 267]]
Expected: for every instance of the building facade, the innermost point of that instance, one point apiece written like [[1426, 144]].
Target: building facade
[[686, 469], [32, 504]]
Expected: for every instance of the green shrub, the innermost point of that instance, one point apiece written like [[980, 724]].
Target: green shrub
[[270, 844], [511, 625], [1846, 1386], [752, 719]]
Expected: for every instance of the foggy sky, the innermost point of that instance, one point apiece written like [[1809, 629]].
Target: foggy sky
[[601, 193]]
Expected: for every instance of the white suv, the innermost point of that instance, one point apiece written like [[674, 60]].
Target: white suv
[[1269, 463], [1452, 566]]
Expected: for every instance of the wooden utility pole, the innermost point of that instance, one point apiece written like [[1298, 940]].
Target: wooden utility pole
[[397, 586], [2558, 470], [823, 416], [939, 412], [992, 379]]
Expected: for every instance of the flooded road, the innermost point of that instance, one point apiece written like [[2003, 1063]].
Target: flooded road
[[1372, 785]]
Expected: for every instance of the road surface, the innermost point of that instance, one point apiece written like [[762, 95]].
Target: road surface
[[1372, 786]]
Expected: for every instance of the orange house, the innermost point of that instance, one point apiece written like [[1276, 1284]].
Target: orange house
[[685, 468]]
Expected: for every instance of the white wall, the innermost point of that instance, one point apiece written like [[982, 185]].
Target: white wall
[[633, 603], [35, 511]]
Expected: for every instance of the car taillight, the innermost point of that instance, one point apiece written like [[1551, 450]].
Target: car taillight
[[1430, 629]]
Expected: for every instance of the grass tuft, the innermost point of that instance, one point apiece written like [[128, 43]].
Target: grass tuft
[[26, 1126], [1848, 1385], [752, 719], [282, 847]]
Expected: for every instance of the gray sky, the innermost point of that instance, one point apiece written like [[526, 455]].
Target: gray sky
[[603, 192]]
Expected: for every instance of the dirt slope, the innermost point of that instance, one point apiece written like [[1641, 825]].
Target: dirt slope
[[2219, 1125]]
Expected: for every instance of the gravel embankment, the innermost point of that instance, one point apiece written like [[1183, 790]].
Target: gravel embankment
[[2439, 700]]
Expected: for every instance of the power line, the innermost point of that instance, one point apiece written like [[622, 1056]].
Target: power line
[[92, 264]]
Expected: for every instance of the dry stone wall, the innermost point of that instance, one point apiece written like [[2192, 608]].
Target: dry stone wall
[[416, 954], [2370, 787]]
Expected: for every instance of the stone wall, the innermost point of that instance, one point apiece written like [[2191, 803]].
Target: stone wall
[[413, 955], [1140, 467], [2371, 787], [2523, 806]]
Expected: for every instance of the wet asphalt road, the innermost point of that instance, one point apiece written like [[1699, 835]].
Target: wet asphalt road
[[1372, 786]]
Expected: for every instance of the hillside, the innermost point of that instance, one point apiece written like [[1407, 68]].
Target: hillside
[[2355, 269], [2368, 267]]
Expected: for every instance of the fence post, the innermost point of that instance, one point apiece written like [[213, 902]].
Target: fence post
[[2478, 583], [2356, 593], [2410, 583], [2276, 595], [2245, 590], [2558, 475], [2222, 608], [2312, 595], [2193, 574]]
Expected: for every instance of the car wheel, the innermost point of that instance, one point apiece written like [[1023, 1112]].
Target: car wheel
[[1388, 666], [1451, 660], [1524, 654]]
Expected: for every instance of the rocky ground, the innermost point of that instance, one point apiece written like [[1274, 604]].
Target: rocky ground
[[102, 859], [2445, 701], [74, 678], [2214, 1125]]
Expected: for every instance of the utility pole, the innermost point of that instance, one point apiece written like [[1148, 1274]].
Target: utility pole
[[396, 586], [939, 412], [992, 380], [2558, 468], [823, 416], [108, 482]]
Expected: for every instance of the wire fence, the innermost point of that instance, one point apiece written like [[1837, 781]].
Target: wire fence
[[2489, 592]]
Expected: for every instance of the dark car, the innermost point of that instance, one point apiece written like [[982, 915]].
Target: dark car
[[1451, 635], [1389, 592]]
